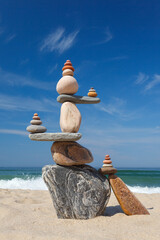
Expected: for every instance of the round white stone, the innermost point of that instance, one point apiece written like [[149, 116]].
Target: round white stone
[[67, 72], [67, 84]]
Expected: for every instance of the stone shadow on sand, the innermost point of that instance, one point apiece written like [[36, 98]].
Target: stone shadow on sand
[[111, 211]]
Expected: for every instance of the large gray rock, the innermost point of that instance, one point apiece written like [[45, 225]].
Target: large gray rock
[[78, 192], [55, 136], [77, 99]]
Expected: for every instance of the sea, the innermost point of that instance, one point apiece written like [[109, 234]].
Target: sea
[[137, 180]]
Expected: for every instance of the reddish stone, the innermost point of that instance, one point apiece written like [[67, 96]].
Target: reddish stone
[[68, 63], [128, 202], [107, 158], [68, 67], [36, 114], [107, 170], [107, 161]]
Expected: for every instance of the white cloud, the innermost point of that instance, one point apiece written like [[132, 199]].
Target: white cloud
[[13, 131], [13, 79], [141, 78], [10, 38], [153, 83], [52, 69], [107, 37], [59, 41], [12, 103], [117, 108]]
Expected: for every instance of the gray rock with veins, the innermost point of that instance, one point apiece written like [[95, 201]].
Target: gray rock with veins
[[78, 192]]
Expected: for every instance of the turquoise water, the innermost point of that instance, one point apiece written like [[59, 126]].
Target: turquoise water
[[138, 180]]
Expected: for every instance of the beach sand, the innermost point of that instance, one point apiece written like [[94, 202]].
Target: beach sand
[[28, 214]]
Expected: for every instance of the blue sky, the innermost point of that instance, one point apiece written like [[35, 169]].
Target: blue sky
[[114, 47]]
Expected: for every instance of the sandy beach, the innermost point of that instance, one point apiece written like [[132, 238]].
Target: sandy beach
[[28, 214]]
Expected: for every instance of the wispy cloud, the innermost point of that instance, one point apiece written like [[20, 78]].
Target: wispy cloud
[[148, 82], [117, 108], [155, 81], [141, 78], [12, 103], [52, 69], [10, 38], [12, 79], [107, 36], [13, 131], [59, 41]]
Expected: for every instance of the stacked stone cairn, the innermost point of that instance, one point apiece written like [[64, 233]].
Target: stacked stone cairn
[[128, 202], [78, 190], [35, 125]]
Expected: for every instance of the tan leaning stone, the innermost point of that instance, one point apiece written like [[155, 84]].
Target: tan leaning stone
[[67, 85], [128, 202], [70, 153], [70, 118]]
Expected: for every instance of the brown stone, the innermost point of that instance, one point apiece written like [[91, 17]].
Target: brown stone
[[108, 170], [70, 153], [128, 202]]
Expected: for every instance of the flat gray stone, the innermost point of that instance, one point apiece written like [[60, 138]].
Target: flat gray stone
[[78, 192], [55, 136], [36, 129], [77, 99]]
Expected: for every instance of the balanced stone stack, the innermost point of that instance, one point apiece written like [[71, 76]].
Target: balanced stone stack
[[77, 190], [35, 125]]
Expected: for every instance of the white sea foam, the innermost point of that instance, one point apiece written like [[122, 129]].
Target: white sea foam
[[38, 184], [148, 190], [19, 183]]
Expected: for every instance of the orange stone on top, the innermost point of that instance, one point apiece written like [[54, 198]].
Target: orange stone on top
[[68, 62], [68, 65], [35, 114]]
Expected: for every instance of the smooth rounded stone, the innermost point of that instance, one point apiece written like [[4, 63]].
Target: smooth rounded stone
[[107, 170], [107, 165], [36, 118], [70, 118], [67, 84], [92, 92], [77, 192], [77, 99], [36, 129], [70, 153], [107, 161], [55, 136], [36, 122], [67, 72]]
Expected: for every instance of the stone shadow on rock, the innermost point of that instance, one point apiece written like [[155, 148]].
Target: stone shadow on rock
[[111, 211]]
